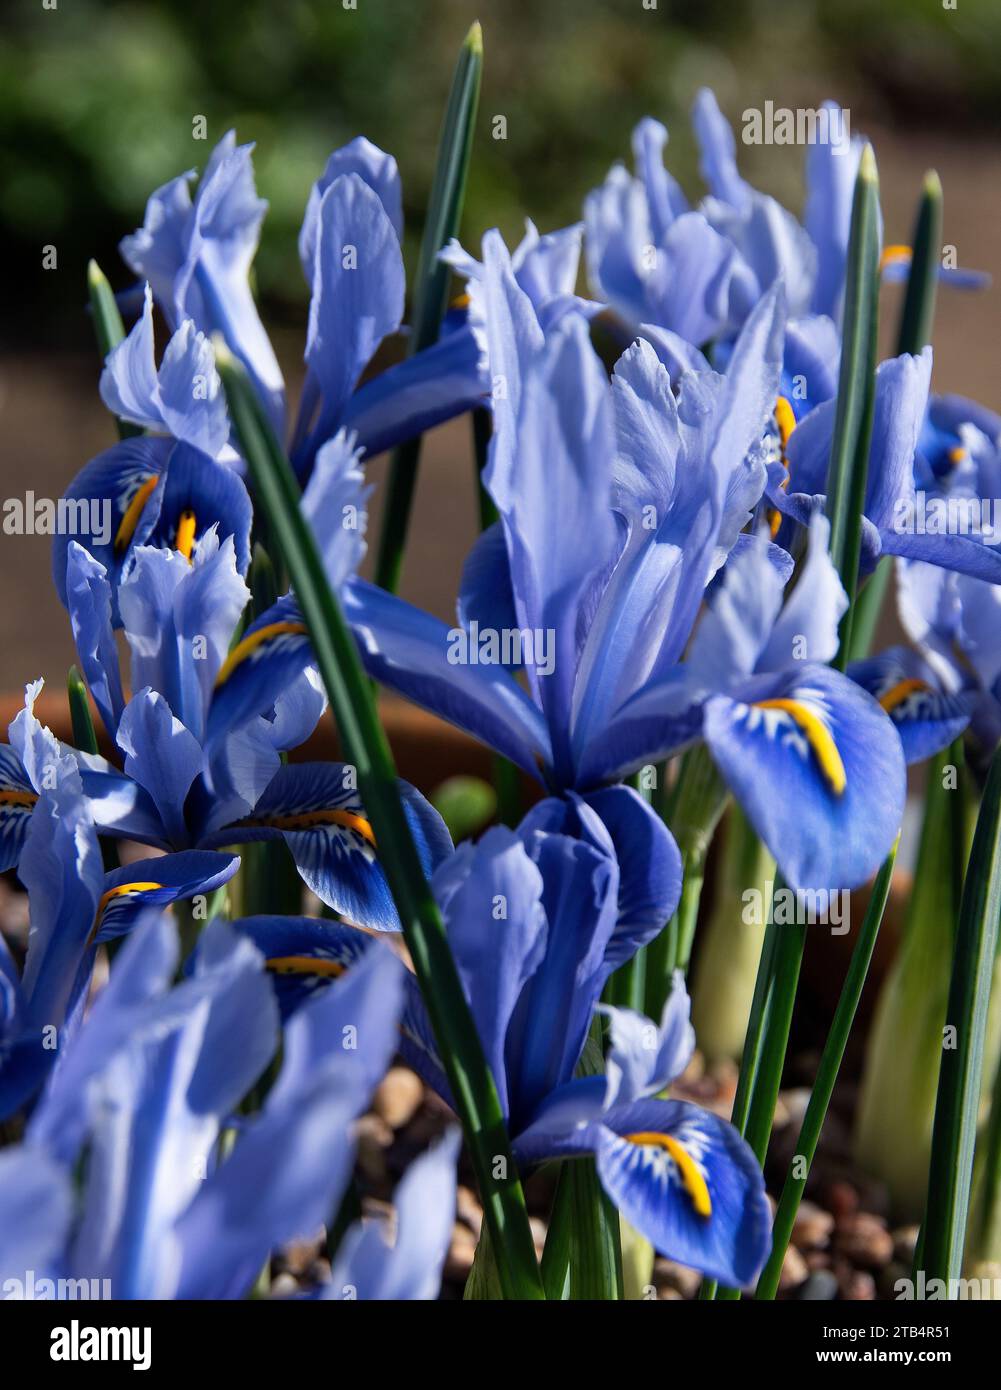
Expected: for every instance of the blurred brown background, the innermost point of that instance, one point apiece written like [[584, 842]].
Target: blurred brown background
[[96, 106]]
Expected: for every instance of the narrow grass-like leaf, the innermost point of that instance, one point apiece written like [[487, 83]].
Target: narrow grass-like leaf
[[366, 747], [846, 477], [81, 719], [431, 286], [108, 327], [913, 335], [959, 1083], [827, 1075], [918, 312]]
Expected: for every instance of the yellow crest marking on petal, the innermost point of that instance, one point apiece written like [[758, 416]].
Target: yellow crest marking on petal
[[130, 519], [124, 890], [18, 798], [461, 301], [186, 528], [825, 750], [956, 455], [896, 254], [786, 421], [692, 1180], [250, 644], [898, 693], [304, 965], [312, 820]]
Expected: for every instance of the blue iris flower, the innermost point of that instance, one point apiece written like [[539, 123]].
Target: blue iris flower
[[894, 518], [73, 905], [619, 504], [146, 1092], [196, 772], [537, 921]]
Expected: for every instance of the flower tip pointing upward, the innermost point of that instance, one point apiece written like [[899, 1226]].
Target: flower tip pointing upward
[[474, 39], [224, 359], [932, 186], [867, 165]]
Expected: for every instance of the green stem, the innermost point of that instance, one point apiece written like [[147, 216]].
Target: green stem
[[366, 747], [959, 1084], [827, 1075], [444, 215]]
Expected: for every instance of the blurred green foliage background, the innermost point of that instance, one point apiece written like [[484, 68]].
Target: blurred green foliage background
[[97, 100]]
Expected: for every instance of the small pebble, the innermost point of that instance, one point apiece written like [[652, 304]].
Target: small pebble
[[820, 1286], [668, 1275], [795, 1270], [859, 1288], [864, 1240], [374, 1138], [841, 1199], [812, 1227], [398, 1097]]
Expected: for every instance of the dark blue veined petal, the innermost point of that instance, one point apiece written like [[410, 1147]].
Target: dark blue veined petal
[[303, 954], [198, 494], [688, 1183], [660, 719], [90, 602], [167, 879], [269, 658], [17, 802], [417, 655], [819, 770], [318, 811], [116, 498], [417, 1043], [357, 291], [926, 717]]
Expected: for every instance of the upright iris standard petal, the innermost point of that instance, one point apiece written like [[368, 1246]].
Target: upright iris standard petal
[[376, 168], [491, 899], [357, 292], [688, 1182], [818, 768], [197, 253], [162, 755], [89, 599], [333, 503]]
